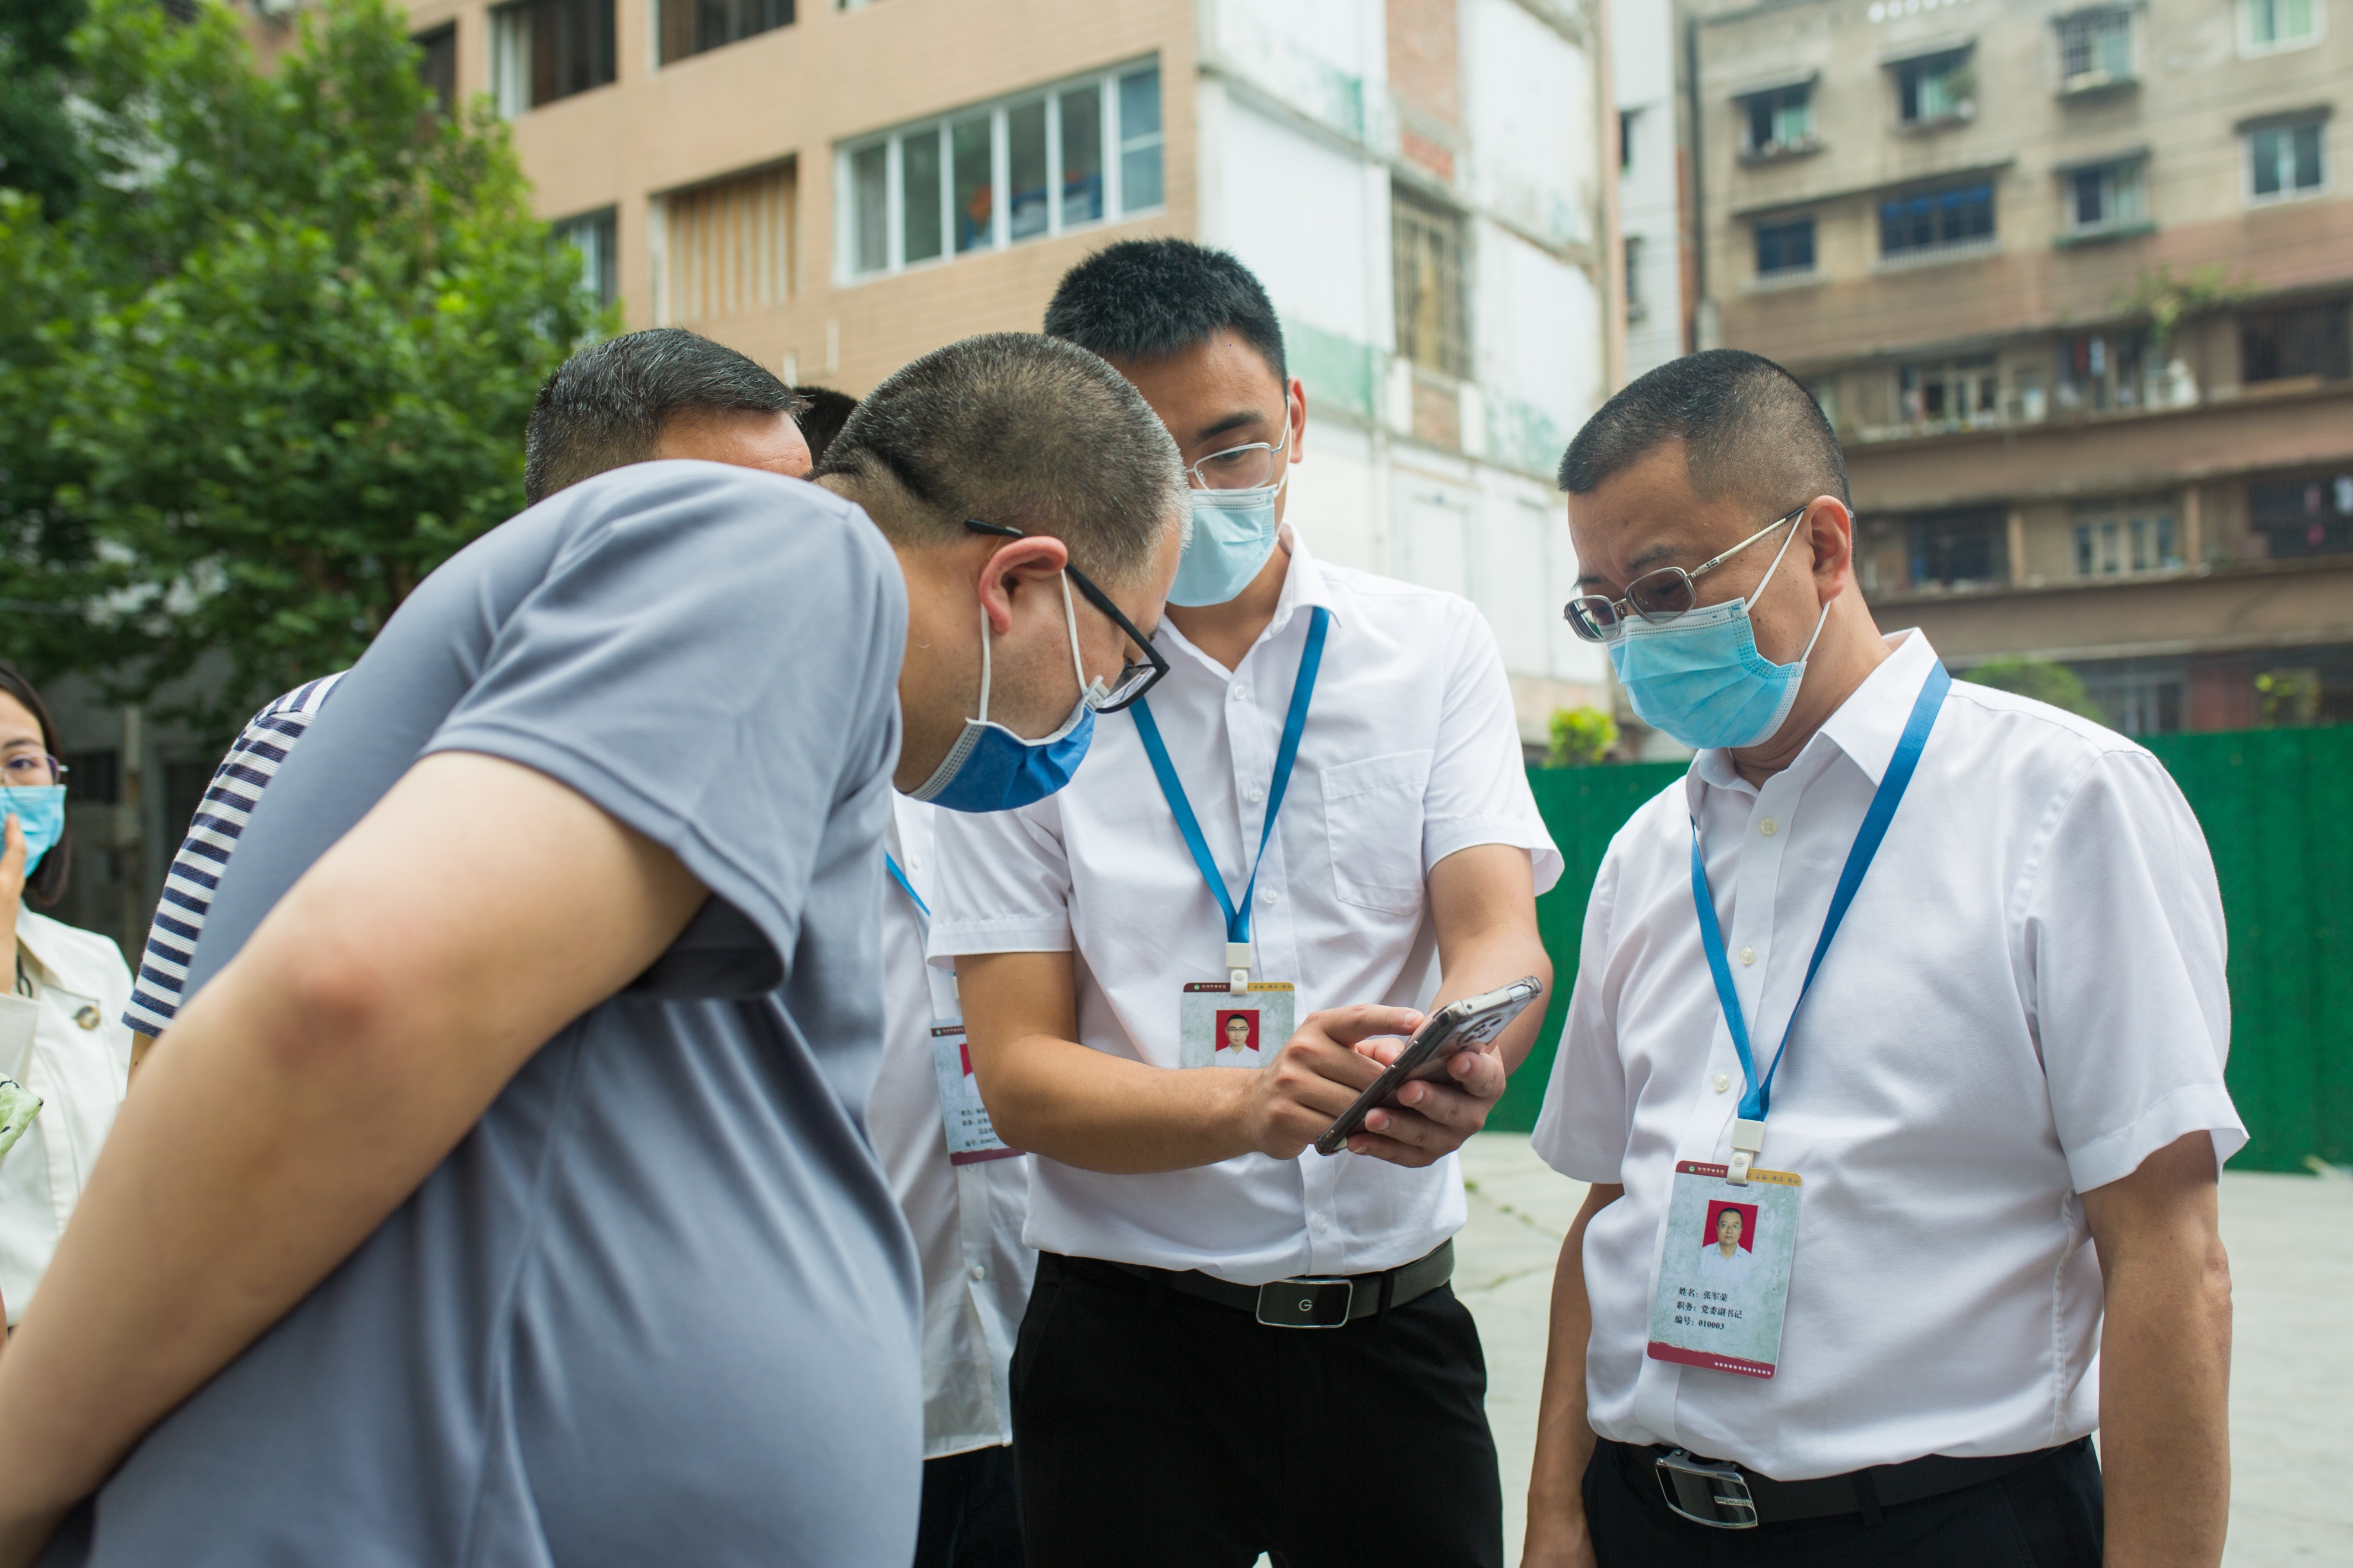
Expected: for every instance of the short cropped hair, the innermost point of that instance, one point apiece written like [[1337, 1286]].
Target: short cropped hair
[[1015, 429], [607, 405], [822, 414], [1749, 428], [1146, 299]]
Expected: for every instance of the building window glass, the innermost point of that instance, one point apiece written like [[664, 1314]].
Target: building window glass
[[1938, 87], [2265, 26], [1635, 308], [1933, 221], [1040, 165], [542, 50], [2116, 539], [436, 63], [690, 27], [1949, 394], [2094, 49], [1426, 258], [2283, 160], [1779, 121], [727, 247], [2110, 196], [1785, 249], [2297, 340], [2311, 516], [1625, 141], [2139, 697], [1961, 549], [592, 235]]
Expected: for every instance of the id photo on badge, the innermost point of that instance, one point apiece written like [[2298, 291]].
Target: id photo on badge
[[1724, 1273], [1217, 1029]]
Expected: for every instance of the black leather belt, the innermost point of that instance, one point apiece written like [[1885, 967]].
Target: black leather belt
[[1310, 1302], [1726, 1496]]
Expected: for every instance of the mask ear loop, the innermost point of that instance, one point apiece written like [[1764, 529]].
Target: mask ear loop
[[984, 666], [1089, 691], [1820, 621]]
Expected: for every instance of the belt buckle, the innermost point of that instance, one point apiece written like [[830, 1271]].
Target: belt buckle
[[1706, 1491], [1307, 1303]]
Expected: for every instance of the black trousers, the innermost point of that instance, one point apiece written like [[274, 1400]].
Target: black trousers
[[2046, 1515], [1155, 1430], [972, 1511]]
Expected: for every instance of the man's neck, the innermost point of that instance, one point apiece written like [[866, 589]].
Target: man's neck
[[1849, 649], [1228, 632]]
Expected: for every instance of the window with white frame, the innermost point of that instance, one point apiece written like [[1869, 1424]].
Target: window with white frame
[[594, 237], [1786, 250], [1937, 88], [2125, 538], [1948, 393], [2104, 196], [2283, 160], [2095, 48], [1779, 121], [1044, 162], [542, 50], [2266, 27]]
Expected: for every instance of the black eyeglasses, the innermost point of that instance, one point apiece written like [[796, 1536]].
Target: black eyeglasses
[[1134, 678], [1656, 597]]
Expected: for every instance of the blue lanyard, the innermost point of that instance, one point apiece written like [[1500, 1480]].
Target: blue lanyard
[[922, 910], [1286, 755], [1758, 1096]]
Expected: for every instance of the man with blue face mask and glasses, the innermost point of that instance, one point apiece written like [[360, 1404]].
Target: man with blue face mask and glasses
[[1179, 971], [1894, 1061], [510, 1144]]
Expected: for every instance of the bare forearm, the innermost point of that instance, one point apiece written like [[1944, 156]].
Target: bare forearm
[[2165, 1358], [1483, 906], [1564, 1438], [1099, 1112], [1494, 958]]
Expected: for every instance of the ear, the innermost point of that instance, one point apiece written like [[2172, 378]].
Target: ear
[[1017, 569], [1830, 533], [1297, 418]]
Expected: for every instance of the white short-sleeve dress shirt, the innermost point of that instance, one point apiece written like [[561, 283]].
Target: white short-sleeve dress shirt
[[966, 1218], [2025, 1000], [1411, 752]]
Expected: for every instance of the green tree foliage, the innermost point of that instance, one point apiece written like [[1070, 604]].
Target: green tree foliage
[[2041, 680], [287, 345], [38, 151], [1580, 737]]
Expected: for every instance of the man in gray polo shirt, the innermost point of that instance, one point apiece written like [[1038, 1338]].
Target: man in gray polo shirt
[[503, 1197]]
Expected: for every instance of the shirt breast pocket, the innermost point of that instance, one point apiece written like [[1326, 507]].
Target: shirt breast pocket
[[1372, 812]]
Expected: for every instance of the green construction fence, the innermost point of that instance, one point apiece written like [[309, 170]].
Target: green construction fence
[[2277, 809]]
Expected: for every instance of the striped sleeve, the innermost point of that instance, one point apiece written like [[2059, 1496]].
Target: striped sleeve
[[236, 789]]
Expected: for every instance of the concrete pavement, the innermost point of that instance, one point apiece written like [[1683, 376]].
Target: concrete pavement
[[2291, 1244]]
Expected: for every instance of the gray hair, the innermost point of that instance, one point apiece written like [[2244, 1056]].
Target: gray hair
[[1021, 429]]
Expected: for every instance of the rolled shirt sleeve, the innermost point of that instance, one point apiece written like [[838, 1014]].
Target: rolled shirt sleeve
[[2123, 953], [1003, 883], [1582, 1129]]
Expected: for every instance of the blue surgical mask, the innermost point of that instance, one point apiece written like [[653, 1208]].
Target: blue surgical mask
[[40, 811], [1700, 678], [1233, 533], [990, 768]]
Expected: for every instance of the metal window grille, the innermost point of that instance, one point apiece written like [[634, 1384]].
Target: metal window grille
[[728, 246], [1931, 221], [1785, 249], [1426, 254], [690, 27], [2309, 516], [2095, 46], [1961, 549], [2296, 340]]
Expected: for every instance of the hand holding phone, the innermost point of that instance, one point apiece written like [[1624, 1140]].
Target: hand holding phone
[[1470, 1024]]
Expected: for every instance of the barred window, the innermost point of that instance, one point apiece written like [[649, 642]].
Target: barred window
[[1426, 257]]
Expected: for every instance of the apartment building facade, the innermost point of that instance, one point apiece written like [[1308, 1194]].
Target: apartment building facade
[[1659, 287], [2073, 281], [836, 188]]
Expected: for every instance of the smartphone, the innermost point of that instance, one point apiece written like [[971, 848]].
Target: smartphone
[[1470, 1024]]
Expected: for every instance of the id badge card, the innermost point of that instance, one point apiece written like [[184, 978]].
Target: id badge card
[[1216, 1028], [970, 1136], [1724, 1278]]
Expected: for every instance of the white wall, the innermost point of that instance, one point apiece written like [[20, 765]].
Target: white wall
[[1643, 59], [1528, 96]]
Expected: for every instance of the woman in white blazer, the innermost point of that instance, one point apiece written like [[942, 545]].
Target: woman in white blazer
[[62, 1031]]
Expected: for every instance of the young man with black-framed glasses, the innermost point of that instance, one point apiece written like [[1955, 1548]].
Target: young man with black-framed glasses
[[1320, 805]]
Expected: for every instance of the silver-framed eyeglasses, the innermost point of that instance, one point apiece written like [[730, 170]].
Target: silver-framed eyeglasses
[[1657, 595], [1249, 467], [32, 770]]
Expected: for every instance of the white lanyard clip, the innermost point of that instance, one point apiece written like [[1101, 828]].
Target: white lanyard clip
[[1238, 968], [1748, 1144]]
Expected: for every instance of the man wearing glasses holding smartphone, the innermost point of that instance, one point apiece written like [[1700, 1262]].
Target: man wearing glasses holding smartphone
[[1231, 1348], [1894, 1060]]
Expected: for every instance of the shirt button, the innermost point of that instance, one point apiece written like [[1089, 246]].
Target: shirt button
[[1747, 955], [1266, 896], [1722, 1082], [1257, 794], [1768, 828], [1241, 692], [1323, 1223], [979, 1271]]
